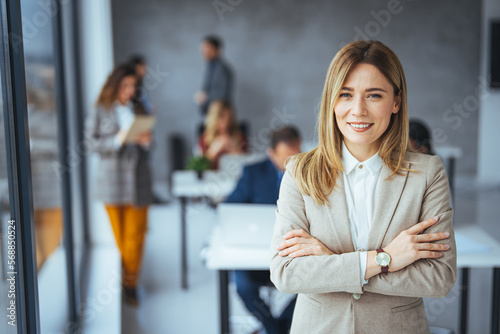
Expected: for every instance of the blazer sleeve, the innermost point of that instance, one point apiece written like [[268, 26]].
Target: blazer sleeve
[[96, 132], [308, 274], [241, 193], [426, 277]]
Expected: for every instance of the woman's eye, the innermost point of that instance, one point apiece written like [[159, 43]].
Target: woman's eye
[[376, 96], [345, 95]]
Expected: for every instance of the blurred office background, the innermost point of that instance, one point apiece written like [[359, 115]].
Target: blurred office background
[[279, 52]]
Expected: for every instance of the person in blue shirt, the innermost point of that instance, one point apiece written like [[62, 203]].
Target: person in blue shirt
[[259, 184]]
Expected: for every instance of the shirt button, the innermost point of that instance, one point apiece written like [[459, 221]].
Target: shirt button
[[356, 296], [360, 166]]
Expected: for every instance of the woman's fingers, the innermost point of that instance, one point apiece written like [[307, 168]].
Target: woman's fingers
[[294, 241], [296, 233], [432, 247], [431, 237], [418, 228], [299, 243], [429, 255], [306, 251], [290, 250]]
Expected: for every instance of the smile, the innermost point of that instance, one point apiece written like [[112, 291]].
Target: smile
[[360, 127]]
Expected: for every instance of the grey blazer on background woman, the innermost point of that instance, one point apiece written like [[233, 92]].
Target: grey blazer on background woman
[[123, 175], [331, 298]]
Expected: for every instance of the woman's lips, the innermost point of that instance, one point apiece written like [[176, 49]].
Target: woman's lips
[[360, 127]]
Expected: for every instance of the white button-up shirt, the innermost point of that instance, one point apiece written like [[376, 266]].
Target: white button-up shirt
[[125, 116], [361, 182]]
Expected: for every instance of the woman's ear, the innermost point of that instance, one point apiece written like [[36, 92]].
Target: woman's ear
[[397, 103]]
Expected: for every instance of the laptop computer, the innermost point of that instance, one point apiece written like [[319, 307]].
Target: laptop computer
[[247, 225]]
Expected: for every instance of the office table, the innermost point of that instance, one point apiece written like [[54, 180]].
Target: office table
[[224, 258], [491, 259], [186, 185]]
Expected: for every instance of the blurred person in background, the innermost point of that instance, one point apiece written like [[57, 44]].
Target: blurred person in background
[[141, 98], [420, 137], [218, 79], [141, 102], [260, 184], [123, 176], [222, 134]]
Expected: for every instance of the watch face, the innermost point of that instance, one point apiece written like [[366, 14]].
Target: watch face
[[383, 259]]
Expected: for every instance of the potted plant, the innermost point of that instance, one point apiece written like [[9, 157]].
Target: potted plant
[[199, 164]]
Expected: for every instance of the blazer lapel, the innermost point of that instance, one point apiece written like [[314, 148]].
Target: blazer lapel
[[389, 193], [338, 216]]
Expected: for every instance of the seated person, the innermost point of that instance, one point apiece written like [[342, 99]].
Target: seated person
[[420, 137], [260, 184], [221, 135]]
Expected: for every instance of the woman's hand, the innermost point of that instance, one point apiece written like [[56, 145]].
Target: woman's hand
[[410, 246], [143, 139], [219, 146], [299, 243]]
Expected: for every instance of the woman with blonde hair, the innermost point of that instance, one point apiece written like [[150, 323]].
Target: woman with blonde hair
[[222, 134], [364, 226]]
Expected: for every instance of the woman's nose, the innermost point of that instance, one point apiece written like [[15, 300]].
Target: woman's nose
[[358, 107]]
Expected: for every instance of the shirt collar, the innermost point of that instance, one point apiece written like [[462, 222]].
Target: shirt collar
[[349, 162]]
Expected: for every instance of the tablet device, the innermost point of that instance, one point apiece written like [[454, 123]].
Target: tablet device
[[141, 123]]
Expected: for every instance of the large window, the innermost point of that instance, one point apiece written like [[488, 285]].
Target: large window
[[46, 176], [42, 192]]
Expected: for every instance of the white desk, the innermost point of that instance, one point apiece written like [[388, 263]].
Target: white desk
[[224, 258], [490, 259], [186, 185]]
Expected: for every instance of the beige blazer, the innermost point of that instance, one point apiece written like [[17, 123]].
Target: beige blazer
[[330, 296]]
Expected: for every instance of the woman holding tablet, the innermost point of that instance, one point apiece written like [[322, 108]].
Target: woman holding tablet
[[123, 177], [364, 226]]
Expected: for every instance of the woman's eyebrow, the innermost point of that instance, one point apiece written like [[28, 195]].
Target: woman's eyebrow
[[374, 89]]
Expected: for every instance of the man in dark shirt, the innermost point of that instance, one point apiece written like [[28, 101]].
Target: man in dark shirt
[[218, 80], [260, 184]]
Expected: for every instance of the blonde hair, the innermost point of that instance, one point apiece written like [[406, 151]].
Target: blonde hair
[[215, 112], [316, 171]]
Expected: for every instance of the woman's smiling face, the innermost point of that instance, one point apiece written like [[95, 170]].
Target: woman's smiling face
[[364, 108]]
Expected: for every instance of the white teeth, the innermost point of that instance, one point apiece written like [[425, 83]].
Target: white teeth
[[359, 126]]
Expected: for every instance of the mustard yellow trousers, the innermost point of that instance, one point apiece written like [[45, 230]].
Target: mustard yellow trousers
[[129, 225]]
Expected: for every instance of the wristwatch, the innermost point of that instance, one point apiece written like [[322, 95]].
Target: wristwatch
[[383, 260]]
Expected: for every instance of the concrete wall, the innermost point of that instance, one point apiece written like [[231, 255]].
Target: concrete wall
[[280, 51], [489, 150]]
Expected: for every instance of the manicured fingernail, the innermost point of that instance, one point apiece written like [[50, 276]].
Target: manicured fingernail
[[446, 246], [435, 219], [285, 236], [446, 234], [440, 254], [280, 253]]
